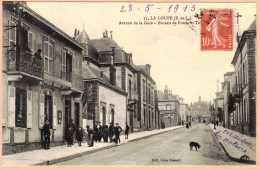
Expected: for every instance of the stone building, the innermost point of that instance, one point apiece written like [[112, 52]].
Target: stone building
[[41, 77], [200, 110], [169, 107], [244, 90], [103, 100], [184, 112], [228, 105]]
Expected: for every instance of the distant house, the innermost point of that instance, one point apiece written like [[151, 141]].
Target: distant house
[[200, 110], [169, 106]]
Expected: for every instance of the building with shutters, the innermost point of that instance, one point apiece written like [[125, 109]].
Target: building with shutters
[[243, 89], [42, 69], [169, 106], [103, 101]]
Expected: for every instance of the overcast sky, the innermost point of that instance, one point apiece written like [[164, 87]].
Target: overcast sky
[[172, 51]]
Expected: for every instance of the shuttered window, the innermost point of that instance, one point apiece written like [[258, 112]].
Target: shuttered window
[[12, 33], [30, 40], [48, 57], [11, 106], [21, 108], [29, 109], [54, 112], [41, 112]]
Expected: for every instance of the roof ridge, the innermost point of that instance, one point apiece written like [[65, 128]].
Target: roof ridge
[[90, 70]]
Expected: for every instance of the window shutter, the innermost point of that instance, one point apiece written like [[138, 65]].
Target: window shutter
[[101, 115], [30, 40], [11, 106], [41, 113], [54, 112], [29, 109]]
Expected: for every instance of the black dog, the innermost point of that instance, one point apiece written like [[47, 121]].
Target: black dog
[[194, 144]]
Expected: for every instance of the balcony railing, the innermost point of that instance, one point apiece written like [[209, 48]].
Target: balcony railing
[[237, 92], [27, 63], [77, 82]]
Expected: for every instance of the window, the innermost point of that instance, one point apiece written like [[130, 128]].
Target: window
[[30, 40], [12, 33], [144, 93], [48, 57], [168, 107], [63, 64], [21, 108], [48, 109], [130, 88]]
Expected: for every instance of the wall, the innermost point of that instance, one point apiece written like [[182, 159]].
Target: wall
[[109, 96]]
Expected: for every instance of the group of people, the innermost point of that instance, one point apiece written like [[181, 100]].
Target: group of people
[[111, 133]]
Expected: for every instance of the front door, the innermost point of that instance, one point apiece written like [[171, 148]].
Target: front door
[[67, 114], [77, 117]]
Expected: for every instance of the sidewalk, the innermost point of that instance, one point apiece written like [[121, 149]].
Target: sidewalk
[[234, 143], [63, 153]]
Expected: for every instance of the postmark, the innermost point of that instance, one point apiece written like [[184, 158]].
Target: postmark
[[216, 29]]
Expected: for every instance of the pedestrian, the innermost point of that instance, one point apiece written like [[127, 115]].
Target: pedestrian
[[118, 130], [46, 133], [111, 131], [90, 139], [79, 135], [187, 125], [70, 133], [217, 123], [105, 133], [182, 122], [127, 128], [190, 124]]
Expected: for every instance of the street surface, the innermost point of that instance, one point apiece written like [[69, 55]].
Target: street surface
[[170, 148]]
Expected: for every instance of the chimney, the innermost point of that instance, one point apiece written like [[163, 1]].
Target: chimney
[[78, 32], [148, 67], [112, 69], [111, 34], [101, 74], [166, 92], [75, 32], [106, 34]]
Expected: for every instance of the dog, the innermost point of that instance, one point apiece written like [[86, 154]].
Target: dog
[[194, 144]]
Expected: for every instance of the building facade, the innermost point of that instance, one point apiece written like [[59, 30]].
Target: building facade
[[200, 111], [244, 90], [42, 77], [169, 107]]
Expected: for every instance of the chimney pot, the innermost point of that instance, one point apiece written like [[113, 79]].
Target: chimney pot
[[75, 32], [111, 34]]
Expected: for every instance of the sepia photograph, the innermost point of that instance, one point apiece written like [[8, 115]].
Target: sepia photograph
[[129, 83]]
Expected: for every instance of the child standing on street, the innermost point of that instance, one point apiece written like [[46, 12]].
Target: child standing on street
[[79, 135]]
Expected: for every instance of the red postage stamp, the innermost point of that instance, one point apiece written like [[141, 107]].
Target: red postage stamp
[[216, 29]]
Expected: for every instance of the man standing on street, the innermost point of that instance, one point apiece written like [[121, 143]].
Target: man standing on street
[[111, 131], [127, 128], [118, 130], [46, 133]]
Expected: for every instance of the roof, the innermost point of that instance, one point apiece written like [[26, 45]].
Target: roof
[[48, 23], [252, 26], [171, 97], [228, 74], [83, 38], [89, 73], [105, 44], [200, 104]]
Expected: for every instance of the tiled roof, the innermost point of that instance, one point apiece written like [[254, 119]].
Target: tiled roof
[[171, 97], [105, 44], [228, 74], [89, 73], [253, 25], [199, 104], [83, 38]]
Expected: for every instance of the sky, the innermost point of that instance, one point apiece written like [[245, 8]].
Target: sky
[[172, 51]]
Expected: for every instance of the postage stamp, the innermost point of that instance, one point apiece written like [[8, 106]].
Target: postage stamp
[[216, 29]]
